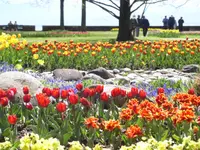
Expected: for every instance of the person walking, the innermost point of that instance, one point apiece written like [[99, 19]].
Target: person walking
[[171, 22], [145, 25], [10, 26], [137, 29], [15, 26], [133, 25], [180, 24], [175, 24], [165, 22]]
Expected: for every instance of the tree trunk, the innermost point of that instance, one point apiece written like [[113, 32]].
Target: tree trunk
[[83, 17], [124, 21], [62, 26]]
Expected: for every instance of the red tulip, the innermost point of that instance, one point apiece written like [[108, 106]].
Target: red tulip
[[10, 94], [14, 90], [99, 89], [2, 93], [29, 106], [47, 91], [73, 99], [4, 101], [43, 100], [160, 90], [86, 92], [70, 91], [191, 91], [85, 102], [12, 119], [134, 91], [142, 94], [130, 95], [79, 86], [55, 93], [61, 107], [25, 90], [116, 92], [64, 94], [27, 98], [104, 97], [92, 92], [198, 120], [123, 93]]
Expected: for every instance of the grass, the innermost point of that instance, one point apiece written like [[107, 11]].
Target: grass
[[99, 36]]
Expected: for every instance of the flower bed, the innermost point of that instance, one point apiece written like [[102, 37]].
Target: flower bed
[[144, 117], [84, 56], [92, 116]]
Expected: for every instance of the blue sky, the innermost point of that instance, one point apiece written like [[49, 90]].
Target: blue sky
[[27, 13]]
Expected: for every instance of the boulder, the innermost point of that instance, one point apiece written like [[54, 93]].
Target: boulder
[[19, 80], [191, 68], [67, 74], [94, 77], [102, 72]]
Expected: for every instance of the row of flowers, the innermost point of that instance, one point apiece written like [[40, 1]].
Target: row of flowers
[[139, 54], [32, 141], [94, 116]]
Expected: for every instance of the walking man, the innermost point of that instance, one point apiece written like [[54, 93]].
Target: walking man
[[165, 22], [180, 24], [133, 25], [137, 29], [145, 25]]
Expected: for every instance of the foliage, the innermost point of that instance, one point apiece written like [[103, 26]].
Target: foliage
[[84, 116], [135, 55], [164, 33]]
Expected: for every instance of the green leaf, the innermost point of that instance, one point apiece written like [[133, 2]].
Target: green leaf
[[7, 132], [177, 138], [66, 137], [34, 128], [53, 123], [164, 135]]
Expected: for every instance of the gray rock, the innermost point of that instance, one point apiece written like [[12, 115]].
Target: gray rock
[[139, 71], [102, 72], [67, 74], [147, 72], [94, 77], [191, 68], [47, 74], [122, 80], [22, 79], [158, 74], [83, 72], [116, 71], [170, 75], [126, 69], [132, 76]]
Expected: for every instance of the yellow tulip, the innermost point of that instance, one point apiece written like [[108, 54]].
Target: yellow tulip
[[35, 56], [40, 62]]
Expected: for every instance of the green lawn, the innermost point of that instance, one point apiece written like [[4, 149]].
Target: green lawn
[[100, 36]]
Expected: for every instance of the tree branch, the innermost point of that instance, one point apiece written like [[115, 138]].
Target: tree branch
[[158, 1], [114, 4], [132, 3], [137, 8], [93, 1], [110, 12]]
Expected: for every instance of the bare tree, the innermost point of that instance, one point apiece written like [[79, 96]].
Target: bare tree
[[83, 16], [123, 10]]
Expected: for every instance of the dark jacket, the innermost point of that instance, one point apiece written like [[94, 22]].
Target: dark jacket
[[171, 21], [180, 22], [145, 23], [133, 23]]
